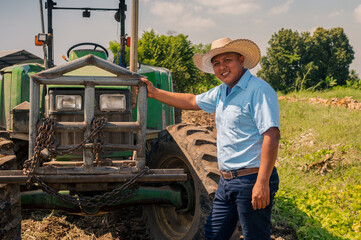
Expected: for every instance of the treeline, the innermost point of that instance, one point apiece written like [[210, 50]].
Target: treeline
[[293, 61], [297, 61]]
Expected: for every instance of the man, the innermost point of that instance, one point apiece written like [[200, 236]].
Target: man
[[247, 121]]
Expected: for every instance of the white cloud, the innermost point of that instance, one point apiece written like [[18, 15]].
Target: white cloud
[[195, 22], [167, 9], [357, 13], [232, 7], [258, 21], [180, 16], [281, 8], [336, 13]]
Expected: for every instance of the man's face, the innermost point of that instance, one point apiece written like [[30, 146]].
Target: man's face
[[228, 67]]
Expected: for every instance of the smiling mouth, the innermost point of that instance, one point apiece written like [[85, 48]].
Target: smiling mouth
[[224, 74]]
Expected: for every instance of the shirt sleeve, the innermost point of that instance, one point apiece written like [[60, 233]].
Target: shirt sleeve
[[208, 101], [266, 109]]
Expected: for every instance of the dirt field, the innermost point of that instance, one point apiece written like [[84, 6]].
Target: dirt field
[[123, 224]]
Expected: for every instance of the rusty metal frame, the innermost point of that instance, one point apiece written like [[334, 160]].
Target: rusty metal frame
[[123, 77]]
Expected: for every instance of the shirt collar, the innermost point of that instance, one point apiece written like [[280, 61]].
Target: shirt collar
[[243, 82]]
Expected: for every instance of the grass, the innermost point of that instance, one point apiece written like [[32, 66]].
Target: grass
[[316, 206], [339, 92]]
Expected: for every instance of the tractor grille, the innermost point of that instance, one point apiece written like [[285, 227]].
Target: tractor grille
[[74, 138]]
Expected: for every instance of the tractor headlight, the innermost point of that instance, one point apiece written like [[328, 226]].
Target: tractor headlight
[[68, 102], [111, 102]]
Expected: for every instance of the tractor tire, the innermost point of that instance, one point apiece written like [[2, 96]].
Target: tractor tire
[[10, 201], [192, 148]]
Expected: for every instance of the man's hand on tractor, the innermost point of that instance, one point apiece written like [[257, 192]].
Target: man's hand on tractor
[[184, 101], [150, 87]]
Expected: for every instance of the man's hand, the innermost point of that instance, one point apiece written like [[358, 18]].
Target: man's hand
[[260, 195], [179, 100], [150, 87], [261, 189]]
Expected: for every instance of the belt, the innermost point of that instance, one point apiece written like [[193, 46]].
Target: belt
[[230, 174]]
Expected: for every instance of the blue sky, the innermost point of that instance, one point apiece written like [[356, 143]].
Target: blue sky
[[202, 20]]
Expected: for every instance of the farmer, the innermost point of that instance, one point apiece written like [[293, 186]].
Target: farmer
[[248, 123]]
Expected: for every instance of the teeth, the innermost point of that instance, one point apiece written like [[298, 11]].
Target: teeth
[[225, 74]]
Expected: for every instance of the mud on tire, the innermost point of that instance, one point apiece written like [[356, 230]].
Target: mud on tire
[[192, 148], [10, 205]]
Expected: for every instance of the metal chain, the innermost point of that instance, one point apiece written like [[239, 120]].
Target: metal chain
[[43, 141], [46, 140], [96, 133], [106, 199], [98, 139], [49, 135]]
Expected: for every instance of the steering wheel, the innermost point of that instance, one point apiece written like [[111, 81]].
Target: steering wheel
[[87, 43]]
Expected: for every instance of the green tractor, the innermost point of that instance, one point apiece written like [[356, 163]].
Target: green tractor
[[76, 138]]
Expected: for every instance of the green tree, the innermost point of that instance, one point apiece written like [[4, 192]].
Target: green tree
[[204, 81], [201, 48], [300, 61], [284, 62], [332, 53], [174, 52], [353, 80]]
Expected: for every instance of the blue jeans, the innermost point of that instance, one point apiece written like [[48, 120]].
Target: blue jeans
[[232, 202]]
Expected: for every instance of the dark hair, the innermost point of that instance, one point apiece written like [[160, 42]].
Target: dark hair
[[240, 55]]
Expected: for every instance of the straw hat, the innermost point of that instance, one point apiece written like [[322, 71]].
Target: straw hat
[[245, 47]]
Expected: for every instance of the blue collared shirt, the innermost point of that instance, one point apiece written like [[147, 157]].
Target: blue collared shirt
[[249, 110]]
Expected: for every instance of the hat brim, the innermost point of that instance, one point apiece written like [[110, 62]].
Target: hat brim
[[245, 47]]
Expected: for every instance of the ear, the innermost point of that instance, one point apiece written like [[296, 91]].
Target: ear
[[241, 60]]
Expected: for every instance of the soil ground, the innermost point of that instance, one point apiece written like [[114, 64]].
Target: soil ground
[[123, 224]]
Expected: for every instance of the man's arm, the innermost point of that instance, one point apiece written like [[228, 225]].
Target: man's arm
[[261, 190], [184, 101]]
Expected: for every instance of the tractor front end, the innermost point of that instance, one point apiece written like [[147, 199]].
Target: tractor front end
[[88, 142]]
